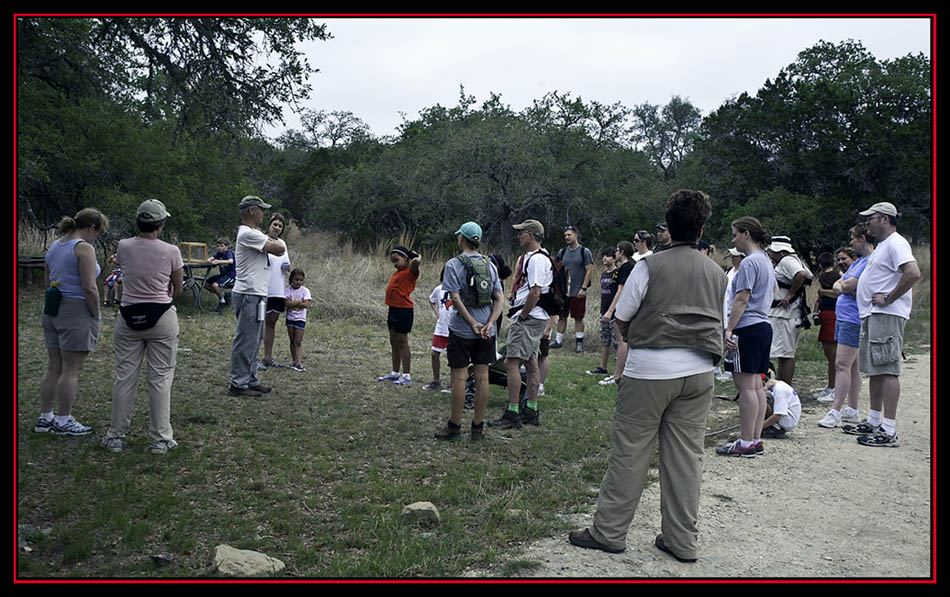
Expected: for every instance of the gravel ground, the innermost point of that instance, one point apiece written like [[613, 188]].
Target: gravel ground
[[817, 505]]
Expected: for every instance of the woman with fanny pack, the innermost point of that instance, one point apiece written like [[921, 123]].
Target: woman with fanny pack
[[147, 329], [71, 319]]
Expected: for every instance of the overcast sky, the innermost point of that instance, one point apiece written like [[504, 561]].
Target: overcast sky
[[377, 68]]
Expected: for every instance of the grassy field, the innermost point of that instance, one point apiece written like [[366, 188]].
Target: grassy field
[[317, 472]]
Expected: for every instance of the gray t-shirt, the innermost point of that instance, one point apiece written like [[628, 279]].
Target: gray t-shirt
[[576, 261], [756, 275], [452, 281]]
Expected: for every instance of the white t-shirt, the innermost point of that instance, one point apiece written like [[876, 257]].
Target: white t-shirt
[[539, 273], [443, 301], [882, 274], [785, 402], [785, 271], [279, 266], [250, 262], [299, 294], [638, 256], [655, 363]]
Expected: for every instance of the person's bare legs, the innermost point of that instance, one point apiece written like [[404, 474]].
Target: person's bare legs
[[621, 354], [270, 327], [69, 380], [786, 370], [54, 370], [750, 417], [829, 348], [847, 377]]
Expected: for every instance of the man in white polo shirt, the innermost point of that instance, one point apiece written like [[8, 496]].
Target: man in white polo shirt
[[884, 301]]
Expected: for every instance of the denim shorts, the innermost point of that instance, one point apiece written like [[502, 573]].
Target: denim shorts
[[847, 333]]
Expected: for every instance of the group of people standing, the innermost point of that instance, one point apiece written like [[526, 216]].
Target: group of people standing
[[147, 329]]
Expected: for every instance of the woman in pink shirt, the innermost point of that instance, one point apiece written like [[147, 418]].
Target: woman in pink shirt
[[147, 329]]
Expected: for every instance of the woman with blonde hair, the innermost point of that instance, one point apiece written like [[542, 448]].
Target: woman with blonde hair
[[71, 318]]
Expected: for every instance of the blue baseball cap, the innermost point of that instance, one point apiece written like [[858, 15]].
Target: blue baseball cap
[[470, 230]]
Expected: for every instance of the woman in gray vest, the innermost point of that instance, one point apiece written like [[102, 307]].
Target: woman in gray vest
[[71, 318]]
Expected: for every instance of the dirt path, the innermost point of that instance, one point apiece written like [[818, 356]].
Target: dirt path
[[817, 505]]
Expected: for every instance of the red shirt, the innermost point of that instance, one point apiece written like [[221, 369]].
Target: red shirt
[[400, 287]]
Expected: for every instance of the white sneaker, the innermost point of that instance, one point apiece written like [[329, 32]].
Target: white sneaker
[[850, 415], [113, 444], [826, 395], [829, 421], [163, 446], [403, 380], [388, 377], [608, 378], [71, 427], [610, 381], [724, 376]]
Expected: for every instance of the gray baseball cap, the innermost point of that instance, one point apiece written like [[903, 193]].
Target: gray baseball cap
[[883, 207], [151, 210]]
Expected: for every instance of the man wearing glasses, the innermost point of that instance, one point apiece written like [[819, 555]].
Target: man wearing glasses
[[884, 299], [249, 296]]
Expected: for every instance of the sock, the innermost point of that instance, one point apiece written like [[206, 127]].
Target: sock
[[874, 417], [47, 416], [62, 419], [513, 407], [745, 444], [221, 300], [540, 387], [394, 374], [849, 410], [579, 335], [836, 413], [531, 405], [558, 337], [717, 371], [889, 425]]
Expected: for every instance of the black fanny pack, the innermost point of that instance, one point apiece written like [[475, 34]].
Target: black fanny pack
[[143, 316]]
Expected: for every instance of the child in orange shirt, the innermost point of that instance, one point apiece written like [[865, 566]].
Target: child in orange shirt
[[403, 282]]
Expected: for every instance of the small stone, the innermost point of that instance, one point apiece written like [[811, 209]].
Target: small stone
[[421, 512]]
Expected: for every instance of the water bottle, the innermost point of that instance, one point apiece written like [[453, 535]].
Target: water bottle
[[53, 296], [730, 357]]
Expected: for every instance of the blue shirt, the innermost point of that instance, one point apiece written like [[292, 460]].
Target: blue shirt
[[756, 275], [846, 308], [64, 268], [228, 268], [453, 281]]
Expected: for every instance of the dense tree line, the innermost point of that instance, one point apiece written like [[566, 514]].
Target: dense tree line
[[114, 110]]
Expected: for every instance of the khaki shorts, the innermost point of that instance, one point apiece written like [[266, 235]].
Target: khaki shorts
[[524, 338], [785, 333], [72, 329], [880, 344]]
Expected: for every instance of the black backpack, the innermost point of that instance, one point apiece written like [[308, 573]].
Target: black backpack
[[555, 301]]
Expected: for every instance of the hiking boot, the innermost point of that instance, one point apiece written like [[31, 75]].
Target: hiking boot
[[597, 371], [113, 444], [478, 432], [450, 432], [70, 427], [162, 446], [661, 545], [259, 388], [772, 432], [236, 391], [554, 344], [43, 425], [733, 449], [830, 421], [583, 538], [862, 428], [529, 416], [879, 438], [579, 346], [509, 420]]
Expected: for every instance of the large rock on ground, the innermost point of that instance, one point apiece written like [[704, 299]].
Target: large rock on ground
[[244, 562], [425, 512]]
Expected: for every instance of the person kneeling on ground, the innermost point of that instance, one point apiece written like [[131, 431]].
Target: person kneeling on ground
[[783, 411]]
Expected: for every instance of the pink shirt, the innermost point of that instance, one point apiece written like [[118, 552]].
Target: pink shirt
[[300, 294], [147, 266]]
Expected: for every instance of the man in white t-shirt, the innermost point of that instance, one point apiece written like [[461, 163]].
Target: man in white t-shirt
[[785, 316], [884, 301], [249, 296], [528, 322]]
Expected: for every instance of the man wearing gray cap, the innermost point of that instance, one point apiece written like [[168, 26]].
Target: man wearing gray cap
[[528, 321], [785, 316], [884, 299], [249, 296]]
